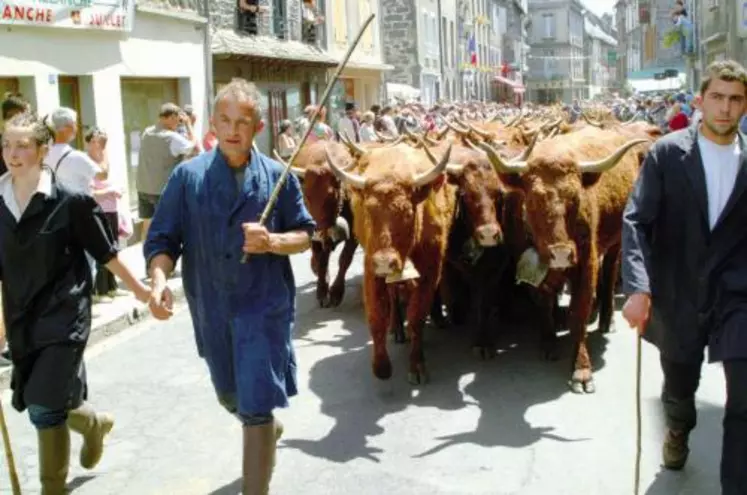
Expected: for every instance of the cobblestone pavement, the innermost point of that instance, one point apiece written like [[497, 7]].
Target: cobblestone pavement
[[507, 426]]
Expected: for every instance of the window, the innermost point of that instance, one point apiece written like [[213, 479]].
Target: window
[[364, 10], [548, 23], [339, 19], [549, 63]]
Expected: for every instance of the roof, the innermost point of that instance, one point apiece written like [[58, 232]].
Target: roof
[[226, 43], [597, 32]]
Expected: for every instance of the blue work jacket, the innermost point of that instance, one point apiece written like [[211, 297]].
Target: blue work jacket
[[243, 314]]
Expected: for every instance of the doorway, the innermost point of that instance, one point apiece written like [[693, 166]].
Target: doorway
[[69, 90], [141, 102]]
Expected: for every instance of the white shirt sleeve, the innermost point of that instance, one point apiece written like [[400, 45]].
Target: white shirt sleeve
[[180, 145]]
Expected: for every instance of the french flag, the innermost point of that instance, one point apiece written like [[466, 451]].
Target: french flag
[[472, 49]]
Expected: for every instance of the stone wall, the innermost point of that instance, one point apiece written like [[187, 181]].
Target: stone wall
[[223, 15], [398, 23]]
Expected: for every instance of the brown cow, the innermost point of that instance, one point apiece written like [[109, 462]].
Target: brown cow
[[402, 209], [575, 191], [327, 204]]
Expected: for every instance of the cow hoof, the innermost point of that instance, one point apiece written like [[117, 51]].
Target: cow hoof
[[576, 387], [582, 381], [590, 387], [419, 377], [611, 328], [336, 294], [382, 369], [484, 352], [322, 297]]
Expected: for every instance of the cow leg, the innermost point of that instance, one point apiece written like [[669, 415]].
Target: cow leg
[[437, 310], [420, 303], [484, 346], [584, 283], [396, 316], [378, 309], [547, 309], [337, 291], [606, 289], [320, 266]]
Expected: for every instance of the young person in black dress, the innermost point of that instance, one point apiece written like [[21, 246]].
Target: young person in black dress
[[45, 232]]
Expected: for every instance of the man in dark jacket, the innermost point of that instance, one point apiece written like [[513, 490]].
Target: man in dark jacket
[[685, 265]]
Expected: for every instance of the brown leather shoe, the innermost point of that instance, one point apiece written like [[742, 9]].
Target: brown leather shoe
[[675, 450]]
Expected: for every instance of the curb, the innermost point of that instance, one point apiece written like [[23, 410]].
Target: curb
[[137, 313]]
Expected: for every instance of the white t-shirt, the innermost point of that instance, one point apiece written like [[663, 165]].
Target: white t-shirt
[[179, 145], [720, 164], [75, 172]]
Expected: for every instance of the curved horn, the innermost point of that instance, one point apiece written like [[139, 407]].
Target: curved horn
[[430, 141], [440, 134], [353, 147], [471, 144], [394, 143], [300, 172], [426, 178], [528, 151], [479, 132], [606, 163], [454, 169], [499, 164], [455, 129], [553, 133], [514, 121], [382, 137], [350, 178], [407, 132], [589, 121]]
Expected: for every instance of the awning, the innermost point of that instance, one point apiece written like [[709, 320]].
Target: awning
[[517, 87], [649, 73], [227, 43]]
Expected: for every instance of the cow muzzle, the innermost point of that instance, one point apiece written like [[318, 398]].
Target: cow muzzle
[[488, 235], [562, 256], [386, 262]]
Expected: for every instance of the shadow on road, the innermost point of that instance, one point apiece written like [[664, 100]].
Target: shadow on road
[[503, 388]]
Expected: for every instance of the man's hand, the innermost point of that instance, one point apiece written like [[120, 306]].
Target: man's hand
[[256, 239], [637, 311], [161, 301]]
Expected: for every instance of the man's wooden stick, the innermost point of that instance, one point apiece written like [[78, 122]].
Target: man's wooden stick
[[14, 483], [325, 96], [638, 415]]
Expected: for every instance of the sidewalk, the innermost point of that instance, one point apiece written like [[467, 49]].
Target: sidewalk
[[111, 316]]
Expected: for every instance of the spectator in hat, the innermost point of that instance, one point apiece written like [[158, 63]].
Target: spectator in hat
[[348, 124]]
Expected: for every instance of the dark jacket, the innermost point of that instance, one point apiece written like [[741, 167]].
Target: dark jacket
[[697, 278], [46, 279]]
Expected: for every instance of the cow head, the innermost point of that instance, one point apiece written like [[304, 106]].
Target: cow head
[[323, 193], [388, 194], [553, 182]]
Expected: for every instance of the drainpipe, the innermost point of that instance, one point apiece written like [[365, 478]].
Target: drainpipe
[[208, 53], [441, 49]]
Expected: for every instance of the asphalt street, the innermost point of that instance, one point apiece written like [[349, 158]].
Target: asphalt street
[[505, 426]]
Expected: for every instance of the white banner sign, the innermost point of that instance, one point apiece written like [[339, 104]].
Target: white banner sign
[[100, 15]]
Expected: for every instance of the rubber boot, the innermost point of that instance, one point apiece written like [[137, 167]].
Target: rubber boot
[[93, 427], [260, 444], [54, 459]]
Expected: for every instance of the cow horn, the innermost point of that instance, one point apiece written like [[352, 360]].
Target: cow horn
[[397, 141], [350, 178], [454, 169], [589, 121], [430, 141], [407, 132], [514, 121], [553, 133], [440, 134], [353, 147], [480, 132], [528, 151], [299, 172], [454, 128], [382, 137], [471, 144], [426, 178], [606, 163], [499, 164]]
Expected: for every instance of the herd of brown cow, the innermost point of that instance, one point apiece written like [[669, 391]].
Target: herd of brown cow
[[443, 219]]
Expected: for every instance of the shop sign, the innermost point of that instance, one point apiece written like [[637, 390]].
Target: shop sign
[[100, 15]]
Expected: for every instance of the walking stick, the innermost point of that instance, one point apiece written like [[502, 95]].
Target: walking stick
[[15, 485], [325, 96], [638, 419]]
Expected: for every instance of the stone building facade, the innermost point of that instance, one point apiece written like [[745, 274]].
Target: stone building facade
[[289, 69]]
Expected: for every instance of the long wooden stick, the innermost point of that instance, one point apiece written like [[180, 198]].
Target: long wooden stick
[[325, 96], [638, 416], [14, 483]]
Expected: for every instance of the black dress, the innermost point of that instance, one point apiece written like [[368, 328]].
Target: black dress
[[47, 286]]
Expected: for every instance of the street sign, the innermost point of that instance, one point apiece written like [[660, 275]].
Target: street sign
[[611, 57]]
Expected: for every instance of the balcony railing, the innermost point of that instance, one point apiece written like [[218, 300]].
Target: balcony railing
[[275, 18]]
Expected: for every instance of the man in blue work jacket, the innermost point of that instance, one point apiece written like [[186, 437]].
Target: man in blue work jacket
[[243, 313]]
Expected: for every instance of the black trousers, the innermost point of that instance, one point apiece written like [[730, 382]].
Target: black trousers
[[105, 281], [681, 381]]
